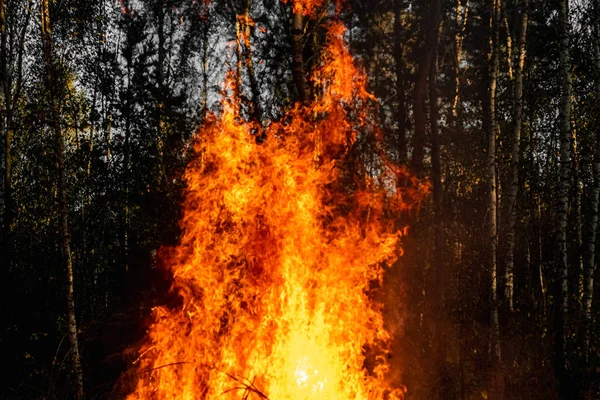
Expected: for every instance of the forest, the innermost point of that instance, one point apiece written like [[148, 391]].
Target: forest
[[300, 199]]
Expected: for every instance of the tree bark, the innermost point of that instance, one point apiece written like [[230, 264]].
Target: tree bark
[[494, 66], [419, 109], [62, 199], [4, 160], [577, 190], [256, 110], [298, 71], [205, 40], [399, 61], [563, 195], [436, 177], [590, 264], [461, 26], [511, 198]]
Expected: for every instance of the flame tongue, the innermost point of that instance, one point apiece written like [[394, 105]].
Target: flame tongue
[[275, 262]]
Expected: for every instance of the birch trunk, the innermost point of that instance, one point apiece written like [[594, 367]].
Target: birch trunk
[[511, 198], [563, 194], [461, 26], [491, 176], [62, 200]]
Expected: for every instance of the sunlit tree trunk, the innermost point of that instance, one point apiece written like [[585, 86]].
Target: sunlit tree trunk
[[563, 194], [419, 109], [511, 198], [494, 65], [462, 15], [51, 82], [399, 64]]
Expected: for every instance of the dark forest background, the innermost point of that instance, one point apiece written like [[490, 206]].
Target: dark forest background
[[495, 102]]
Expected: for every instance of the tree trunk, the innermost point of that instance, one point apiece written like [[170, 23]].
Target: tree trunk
[[297, 57], [4, 160], [590, 264], [492, 197], [563, 195], [577, 190], [161, 79], [436, 177], [419, 110], [254, 89], [399, 61], [10, 92], [511, 198], [62, 200], [205, 38], [461, 26]]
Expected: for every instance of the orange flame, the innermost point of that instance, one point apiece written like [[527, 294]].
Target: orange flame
[[305, 7], [276, 260]]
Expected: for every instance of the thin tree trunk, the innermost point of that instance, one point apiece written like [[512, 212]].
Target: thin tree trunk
[[4, 160], [399, 61], [492, 199], [563, 195], [62, 199], [540, 255], [461, 26], [161, 79], [511, 198], [256, 110], [436, 176], [419, 109], [238, 68], [205, 37], [576, 207], [298, 71]]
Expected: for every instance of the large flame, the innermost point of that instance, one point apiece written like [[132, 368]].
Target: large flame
[[277, 259]]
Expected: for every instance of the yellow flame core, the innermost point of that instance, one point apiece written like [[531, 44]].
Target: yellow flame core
[[275, 261]]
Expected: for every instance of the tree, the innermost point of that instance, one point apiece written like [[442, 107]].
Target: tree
[[425, 63], [492, 236], [563, 195], [298, 71], [590, 262], [399, 7], [52, 85], [12, 36], [511, 197]]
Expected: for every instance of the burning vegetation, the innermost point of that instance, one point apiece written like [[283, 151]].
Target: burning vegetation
[[281, 250]]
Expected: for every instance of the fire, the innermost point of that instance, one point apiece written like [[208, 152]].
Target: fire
[[305, 7], [277, 259]]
